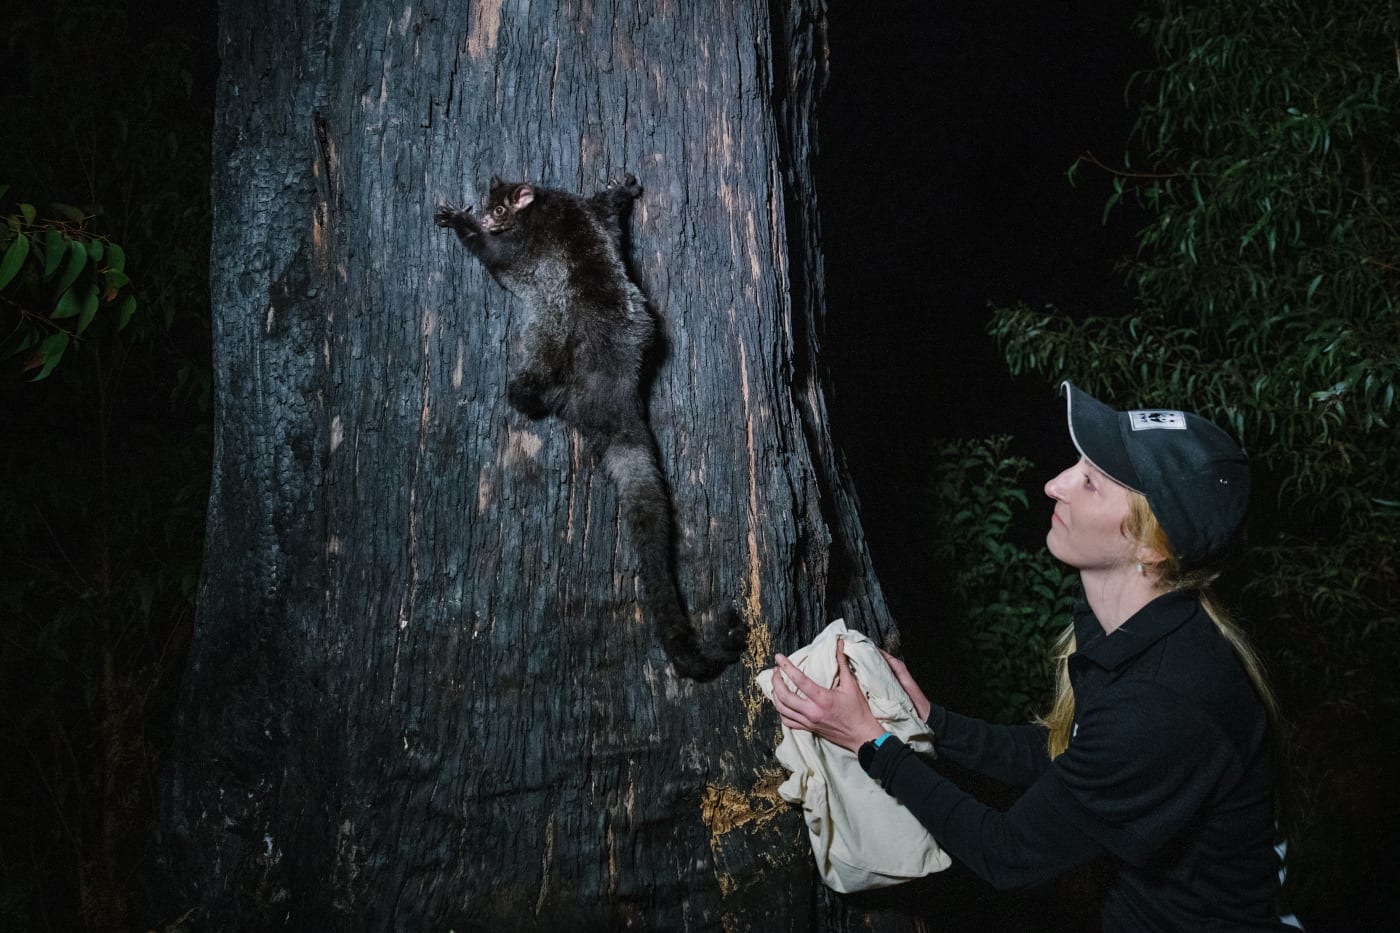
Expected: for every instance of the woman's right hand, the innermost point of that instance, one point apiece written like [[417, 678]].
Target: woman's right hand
[[901, 673]]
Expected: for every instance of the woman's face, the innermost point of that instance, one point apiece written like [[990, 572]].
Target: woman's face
[[1086, 530]]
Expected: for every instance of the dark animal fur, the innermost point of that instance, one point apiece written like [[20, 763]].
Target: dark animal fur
[[584, 344]]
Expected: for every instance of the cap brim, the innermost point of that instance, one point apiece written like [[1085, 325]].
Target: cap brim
[[1097, 433]]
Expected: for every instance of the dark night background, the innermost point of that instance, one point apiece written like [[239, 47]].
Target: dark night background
[[945, 135], [945, 138]]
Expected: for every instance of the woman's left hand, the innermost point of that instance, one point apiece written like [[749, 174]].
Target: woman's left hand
[[840, 715]]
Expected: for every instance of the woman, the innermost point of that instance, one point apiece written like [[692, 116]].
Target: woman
[[1157, 750]]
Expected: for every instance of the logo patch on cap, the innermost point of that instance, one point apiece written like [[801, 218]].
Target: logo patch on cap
[[1153, 419]]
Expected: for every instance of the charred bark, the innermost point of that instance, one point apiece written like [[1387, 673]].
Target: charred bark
[[420, 695]]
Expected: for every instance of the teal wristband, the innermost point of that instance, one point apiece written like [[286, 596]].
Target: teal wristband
[[881, 740]]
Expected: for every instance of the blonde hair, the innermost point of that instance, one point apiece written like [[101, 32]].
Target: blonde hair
[[1142, 526]]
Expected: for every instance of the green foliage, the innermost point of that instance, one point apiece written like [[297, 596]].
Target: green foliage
[[55, 276], [1266, 279], [1011, 602]]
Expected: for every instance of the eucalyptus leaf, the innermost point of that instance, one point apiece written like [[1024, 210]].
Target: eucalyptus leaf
[[77, 260], [69, 212], [55, 248], [116, 258], [114, 281], [14, 258], [89, 308], [127, 310], [68, 306], [51, 352]]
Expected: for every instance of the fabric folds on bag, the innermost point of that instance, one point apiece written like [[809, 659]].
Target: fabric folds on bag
[[862, 838]]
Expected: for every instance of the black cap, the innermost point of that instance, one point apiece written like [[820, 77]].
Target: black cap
[[1193, 474]]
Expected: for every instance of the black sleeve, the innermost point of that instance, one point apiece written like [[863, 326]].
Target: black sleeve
[[1135, 774], [1015, 755], [1026, 845]]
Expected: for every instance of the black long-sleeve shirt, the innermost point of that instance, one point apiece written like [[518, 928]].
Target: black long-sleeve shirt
[[1168, 770]]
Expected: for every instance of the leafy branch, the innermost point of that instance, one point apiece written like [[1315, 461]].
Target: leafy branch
[[56, 276]]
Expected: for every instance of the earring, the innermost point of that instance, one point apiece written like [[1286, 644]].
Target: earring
[[1139, 569]]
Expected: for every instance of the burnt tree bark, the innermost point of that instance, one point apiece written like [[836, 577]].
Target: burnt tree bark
[[419, 695]]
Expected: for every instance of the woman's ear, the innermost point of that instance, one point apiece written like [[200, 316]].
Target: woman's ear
[[1150, 560]]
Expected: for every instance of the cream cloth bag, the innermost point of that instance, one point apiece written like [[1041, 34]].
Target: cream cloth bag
[[861, 836]]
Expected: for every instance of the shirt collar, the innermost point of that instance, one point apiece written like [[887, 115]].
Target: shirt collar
[[1144, 628]]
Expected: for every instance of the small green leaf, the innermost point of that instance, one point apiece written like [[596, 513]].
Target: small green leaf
[[14, 258], [128, 309], [23, 340], [95, 250], [29, 212], [89, 308], [55, 247], [51, 351], [115, 281], [67, 306], [69, 212], [116, 257], [77, 259]]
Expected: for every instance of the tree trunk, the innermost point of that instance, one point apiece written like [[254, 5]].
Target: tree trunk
[[420, 696]]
